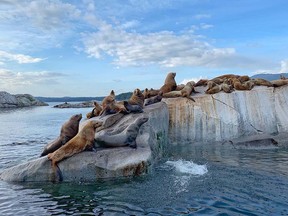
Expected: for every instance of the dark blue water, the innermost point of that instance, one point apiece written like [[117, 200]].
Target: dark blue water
[[192, 180]]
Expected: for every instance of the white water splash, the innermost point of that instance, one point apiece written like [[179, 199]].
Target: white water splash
[[188, 167]]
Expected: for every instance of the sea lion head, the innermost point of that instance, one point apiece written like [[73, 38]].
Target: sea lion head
[[112, 93], [76, 117]]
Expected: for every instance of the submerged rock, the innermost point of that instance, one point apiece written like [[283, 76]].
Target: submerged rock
[[105, 162], [19, 100]]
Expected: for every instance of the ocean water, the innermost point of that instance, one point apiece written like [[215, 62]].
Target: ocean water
[[191, 180]]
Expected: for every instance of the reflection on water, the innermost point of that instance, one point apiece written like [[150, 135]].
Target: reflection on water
[[196, 180]]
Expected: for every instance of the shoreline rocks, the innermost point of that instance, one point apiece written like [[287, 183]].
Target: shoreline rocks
[[75, 105], [19, 100], [151, 141]]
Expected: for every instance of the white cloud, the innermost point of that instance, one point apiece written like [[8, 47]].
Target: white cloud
[[202, 16], [20, 58], [17, 80], [284, 66], [164, 48]]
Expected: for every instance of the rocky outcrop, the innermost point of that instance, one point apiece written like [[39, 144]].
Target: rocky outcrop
[[20, 100], [106, 162], [75, 105], [222, 116]]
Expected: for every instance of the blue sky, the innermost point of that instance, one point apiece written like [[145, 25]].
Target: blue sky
[[86, 47]]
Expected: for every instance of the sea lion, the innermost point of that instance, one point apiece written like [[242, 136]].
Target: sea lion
[[133, 108], [153, 92], [68, 130], [95, 111], [218, 80], [188, 89], [226, 88], [154, 99], [108, 99], [180, 87], [114, 107], [126, 137], [242, 86], [215, 89], [172, 94], [201, 82], [280, 82], [169, 84], [227, 76], [137, 98], [146, 93], [262, 82], [243, 79], [210, 85], [84, 140]]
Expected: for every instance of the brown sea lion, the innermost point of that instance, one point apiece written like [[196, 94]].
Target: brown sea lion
[[215, 89], [153, 92], [137, 98], [227, 76], [68, 130], [95, 111], [188, 89], [84, 140], [243, 79], [169, 84], [172, 94], [242, 86], [226, 88], [114, 107], [262, 82], [201, 82], [210, 85], [108, 99], [218, 80], [180, 87], [146, 93], [280, 82], [154, 99]]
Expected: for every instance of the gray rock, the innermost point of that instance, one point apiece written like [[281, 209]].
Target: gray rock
[[20, 100], [105, 162], [75, 105]]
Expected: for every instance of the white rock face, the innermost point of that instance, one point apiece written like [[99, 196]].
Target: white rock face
[[222, 116]]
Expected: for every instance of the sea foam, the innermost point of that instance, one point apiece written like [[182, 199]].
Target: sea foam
[[188, 167]]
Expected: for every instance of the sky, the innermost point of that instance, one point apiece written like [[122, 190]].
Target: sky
[[57, 48]]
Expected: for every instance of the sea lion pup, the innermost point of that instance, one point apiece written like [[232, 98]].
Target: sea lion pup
[[132, 108], [95, 111], [262, 82], [154, 99], [280, 82], [215, 89], [201, 82], [137, 98], [169, 84], [127, 137], [68, 130], [84, 140]]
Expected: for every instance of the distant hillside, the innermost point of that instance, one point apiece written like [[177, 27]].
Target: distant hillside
[[123, 96], [270, 76]]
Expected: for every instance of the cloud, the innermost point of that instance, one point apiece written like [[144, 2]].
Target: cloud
[[16, 80], [20, 58], [165, 48], [195, 79], [202, 16], [284, 66]]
